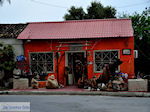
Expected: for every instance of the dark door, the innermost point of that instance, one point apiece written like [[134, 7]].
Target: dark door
[[77, 65]]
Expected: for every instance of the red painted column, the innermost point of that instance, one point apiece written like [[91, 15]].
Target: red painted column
[[90, 64]]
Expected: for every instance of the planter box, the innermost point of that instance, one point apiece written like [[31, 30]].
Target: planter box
[[137, 85], [42, 84], [22, 83]]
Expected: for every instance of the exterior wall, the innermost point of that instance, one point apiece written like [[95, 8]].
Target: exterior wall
[[17, 45], [95, 44], [115, 44]]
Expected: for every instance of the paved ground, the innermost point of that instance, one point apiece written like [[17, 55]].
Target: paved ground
[[72, 90], [66, 103]]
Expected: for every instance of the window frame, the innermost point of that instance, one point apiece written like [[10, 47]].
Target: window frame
[[94, 69], [42, 52]]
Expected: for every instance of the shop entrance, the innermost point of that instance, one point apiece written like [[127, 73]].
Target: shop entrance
[[76, 66]]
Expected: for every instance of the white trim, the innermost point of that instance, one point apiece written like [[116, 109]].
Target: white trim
[[67, 52], [102, 51]]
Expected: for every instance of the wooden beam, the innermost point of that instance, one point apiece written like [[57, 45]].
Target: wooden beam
[[73, 45], [74, 42], [71, 50]]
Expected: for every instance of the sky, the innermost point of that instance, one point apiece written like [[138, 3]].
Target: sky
[[23, 11]]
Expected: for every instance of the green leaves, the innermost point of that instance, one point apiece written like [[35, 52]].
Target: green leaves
[[95, 11], [75, 14], [6, 57], [2, 1], [110, 12], [141, 26]]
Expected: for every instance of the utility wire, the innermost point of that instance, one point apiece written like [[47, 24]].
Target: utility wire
[[53, 5], [48, 4]]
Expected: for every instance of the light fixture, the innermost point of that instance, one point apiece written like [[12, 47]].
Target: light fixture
[[28, 40]]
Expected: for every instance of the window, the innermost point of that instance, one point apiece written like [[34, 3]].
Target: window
[[104, 57], [41, 62]]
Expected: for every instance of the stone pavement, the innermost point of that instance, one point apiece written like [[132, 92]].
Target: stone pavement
[[72, 91]]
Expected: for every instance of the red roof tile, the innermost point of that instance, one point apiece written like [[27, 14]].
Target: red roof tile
[[99, 28]]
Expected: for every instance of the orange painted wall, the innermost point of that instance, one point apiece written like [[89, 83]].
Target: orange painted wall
[[114, 44], [95, 44]]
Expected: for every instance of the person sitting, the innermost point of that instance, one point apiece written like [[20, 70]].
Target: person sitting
[[93, 83], [34, 83]]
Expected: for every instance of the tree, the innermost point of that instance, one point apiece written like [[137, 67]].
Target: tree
[[141, 26], [109, 12], [95, 11], [98, 11], [2, 1], [7, 63], [75, 13]]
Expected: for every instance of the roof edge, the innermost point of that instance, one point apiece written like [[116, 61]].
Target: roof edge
[[74, 38], [85, 20]]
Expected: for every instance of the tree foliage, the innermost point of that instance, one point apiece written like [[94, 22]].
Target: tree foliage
[[75, 13], [6, 58], [95, 11], [141, 26], [2, 1], [7, 63]]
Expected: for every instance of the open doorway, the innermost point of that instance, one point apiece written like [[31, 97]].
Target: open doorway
[[76, 64]]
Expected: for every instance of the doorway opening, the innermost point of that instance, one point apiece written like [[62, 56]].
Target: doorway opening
[[76, 65]]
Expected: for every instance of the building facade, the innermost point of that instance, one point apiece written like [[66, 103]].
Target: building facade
[[8, 35], [81, 47]]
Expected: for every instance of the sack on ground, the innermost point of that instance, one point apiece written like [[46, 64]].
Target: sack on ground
[[34, 84], [51, 82]]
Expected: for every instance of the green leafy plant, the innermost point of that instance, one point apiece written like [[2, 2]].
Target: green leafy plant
[[95, 11], [2, 1], [6, 57], [141, 27], [7, 63]]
